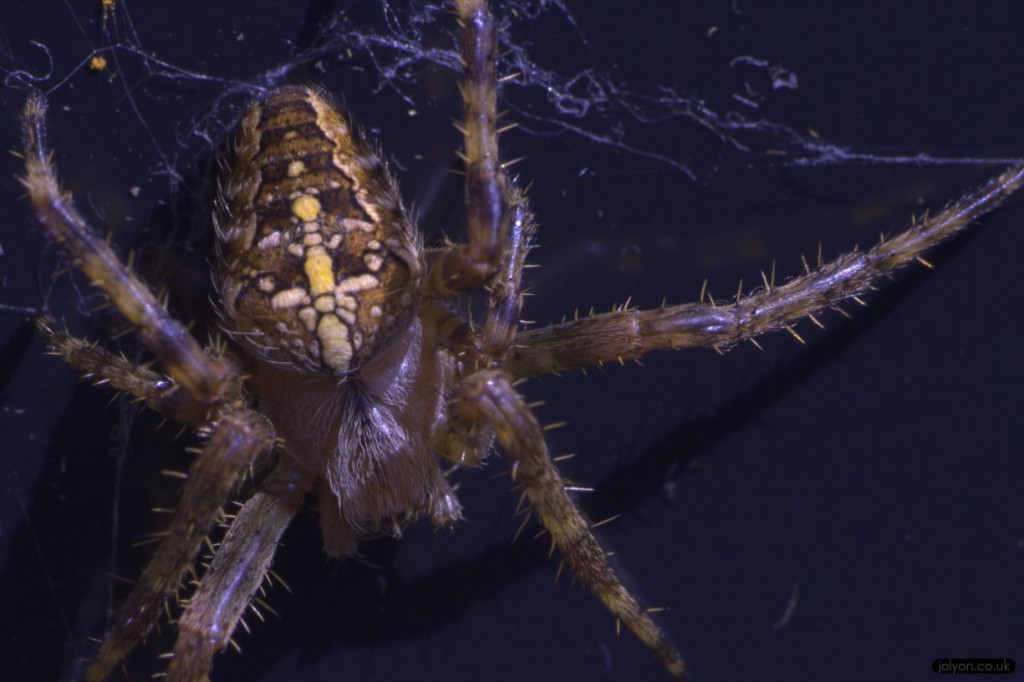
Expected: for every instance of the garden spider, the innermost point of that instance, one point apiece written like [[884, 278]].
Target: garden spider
[[36, 114]]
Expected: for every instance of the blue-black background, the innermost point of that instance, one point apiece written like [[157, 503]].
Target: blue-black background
[[880, 467]]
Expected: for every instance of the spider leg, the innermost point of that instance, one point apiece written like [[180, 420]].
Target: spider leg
[[506, 300], [203, 376], [239, 437], [505, 303], [487, 397], [467, 266], [629, 333], [239, 566], [158, 391]]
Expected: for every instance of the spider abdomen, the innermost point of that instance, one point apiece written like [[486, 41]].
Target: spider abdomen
[[319, 263]]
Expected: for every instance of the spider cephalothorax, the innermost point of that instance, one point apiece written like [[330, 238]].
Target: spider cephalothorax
[[350, 373]]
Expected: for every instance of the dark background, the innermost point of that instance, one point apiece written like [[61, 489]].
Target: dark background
[[880, 467]]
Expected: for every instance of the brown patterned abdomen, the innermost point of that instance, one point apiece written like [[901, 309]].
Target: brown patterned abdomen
[[319, 264]]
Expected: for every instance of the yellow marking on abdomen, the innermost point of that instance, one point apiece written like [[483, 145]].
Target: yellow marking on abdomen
[[296, 168], [319, 270], [306, 208], [325, 304], [335, 348]]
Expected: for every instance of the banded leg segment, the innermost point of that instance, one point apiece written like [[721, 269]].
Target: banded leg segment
[[239, 438], [102, 367], [204, 377], [467, 266], [490, 345], [506, 301], [629, 334], [239, 566], [488, 398]]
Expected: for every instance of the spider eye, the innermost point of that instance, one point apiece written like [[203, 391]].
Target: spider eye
[[319, 263]]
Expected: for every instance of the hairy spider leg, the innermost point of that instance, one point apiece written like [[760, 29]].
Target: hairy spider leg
[[239, 438], [490, 345], [239, 566], [487, 397], [205, 389], [104, 368], [462, 267], [506, 300], [484, 401], [205, 378], [630, 333]]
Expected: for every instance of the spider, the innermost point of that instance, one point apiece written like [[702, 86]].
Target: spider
[[385, 361]]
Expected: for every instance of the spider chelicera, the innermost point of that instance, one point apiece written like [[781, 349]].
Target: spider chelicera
[[345, 369]]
